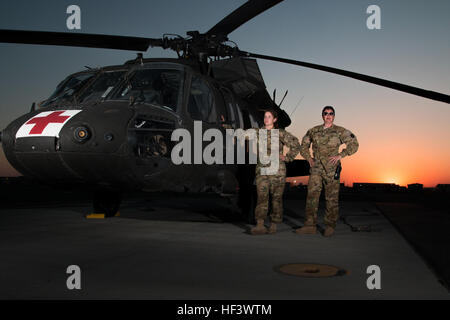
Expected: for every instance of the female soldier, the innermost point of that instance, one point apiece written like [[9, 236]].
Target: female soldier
[[273, 184]]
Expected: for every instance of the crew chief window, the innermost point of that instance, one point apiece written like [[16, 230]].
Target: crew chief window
[[201, 104]]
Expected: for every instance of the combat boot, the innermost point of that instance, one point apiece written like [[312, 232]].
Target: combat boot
[[329, 231], [259, 229], [306, 230], [272, 228]]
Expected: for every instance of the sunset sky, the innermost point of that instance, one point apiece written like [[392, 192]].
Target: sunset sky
[[403, 138]]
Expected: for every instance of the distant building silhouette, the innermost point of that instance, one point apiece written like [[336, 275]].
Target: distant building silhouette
[[376, 187], [443, 188], [415, 187]]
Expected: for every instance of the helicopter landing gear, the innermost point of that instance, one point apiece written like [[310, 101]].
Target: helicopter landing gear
[[107, 201]]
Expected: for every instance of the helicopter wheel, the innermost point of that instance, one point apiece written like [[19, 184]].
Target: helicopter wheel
[[107, 201]]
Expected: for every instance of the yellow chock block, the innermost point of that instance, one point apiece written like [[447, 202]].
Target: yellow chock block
[[95, 216], [100, 215]]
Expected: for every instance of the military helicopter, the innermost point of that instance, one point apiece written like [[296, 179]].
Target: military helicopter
[[111, 127]]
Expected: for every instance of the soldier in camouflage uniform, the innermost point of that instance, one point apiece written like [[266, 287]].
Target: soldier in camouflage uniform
[[272, 184], [326, 140]]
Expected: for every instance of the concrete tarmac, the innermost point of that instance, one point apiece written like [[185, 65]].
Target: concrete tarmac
[[170, 246]]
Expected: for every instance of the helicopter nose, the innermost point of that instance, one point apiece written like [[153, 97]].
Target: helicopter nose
[[88, 146]]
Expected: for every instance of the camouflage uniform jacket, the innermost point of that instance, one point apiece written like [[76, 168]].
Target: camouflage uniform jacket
[[285, 139], [326, 143]]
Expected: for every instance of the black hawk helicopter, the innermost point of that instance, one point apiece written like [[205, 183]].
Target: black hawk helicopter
[[111, 127]]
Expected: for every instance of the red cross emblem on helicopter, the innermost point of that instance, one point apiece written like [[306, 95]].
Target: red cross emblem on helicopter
[[40, 123], [46, 124]]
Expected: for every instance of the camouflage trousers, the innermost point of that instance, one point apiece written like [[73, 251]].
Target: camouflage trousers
[[320, 178], [270, 186]]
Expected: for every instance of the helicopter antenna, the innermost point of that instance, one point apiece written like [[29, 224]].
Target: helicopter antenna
[[283, 98], [296, 106]]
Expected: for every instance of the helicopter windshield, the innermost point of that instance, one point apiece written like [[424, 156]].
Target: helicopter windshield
[[66, 89], [158, 86], [102, 86]]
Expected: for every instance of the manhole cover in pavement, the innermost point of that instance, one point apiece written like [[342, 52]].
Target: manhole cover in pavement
[[311, 270]]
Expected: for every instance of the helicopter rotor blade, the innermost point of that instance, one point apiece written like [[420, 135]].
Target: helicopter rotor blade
[[378, 81], [241, 15], [79, 40]]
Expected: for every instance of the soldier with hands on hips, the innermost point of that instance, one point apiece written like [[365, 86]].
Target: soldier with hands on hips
[[325, 169]]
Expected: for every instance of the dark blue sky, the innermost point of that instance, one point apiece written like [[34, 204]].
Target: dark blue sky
[[413, 47]]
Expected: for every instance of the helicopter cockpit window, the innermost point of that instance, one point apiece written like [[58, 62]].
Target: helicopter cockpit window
[[102, 86], [66, 89], [157, 86], [201, 102]]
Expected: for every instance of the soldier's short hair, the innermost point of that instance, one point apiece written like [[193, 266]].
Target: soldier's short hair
[[328, 108]]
